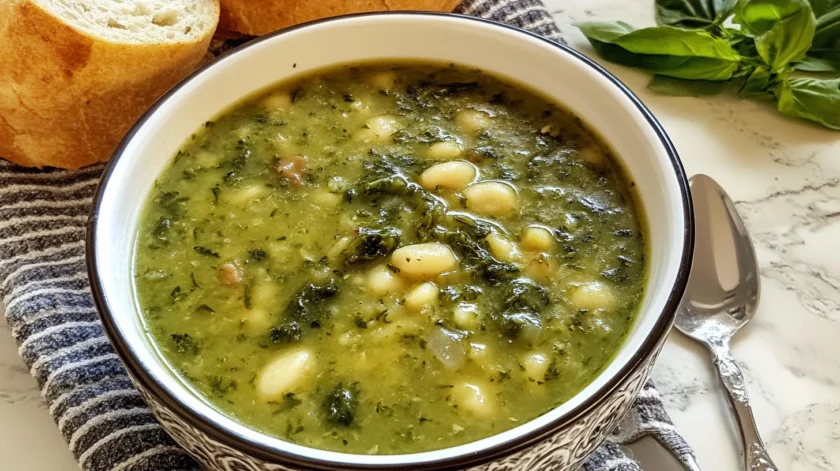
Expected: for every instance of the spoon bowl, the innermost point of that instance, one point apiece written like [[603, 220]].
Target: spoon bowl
[[723, 287]]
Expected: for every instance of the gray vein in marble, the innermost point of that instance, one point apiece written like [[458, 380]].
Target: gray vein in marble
[[784, 220], [809, 440]]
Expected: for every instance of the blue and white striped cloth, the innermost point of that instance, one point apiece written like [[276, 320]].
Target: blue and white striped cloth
[[50, 311]]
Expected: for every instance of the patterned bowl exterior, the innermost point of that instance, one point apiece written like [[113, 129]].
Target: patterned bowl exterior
[[565, 450]]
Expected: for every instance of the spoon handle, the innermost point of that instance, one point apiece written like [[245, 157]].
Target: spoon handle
[[753, 451]]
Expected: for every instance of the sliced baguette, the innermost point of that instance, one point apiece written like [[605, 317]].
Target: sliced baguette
[[75, 75], [258, 17]]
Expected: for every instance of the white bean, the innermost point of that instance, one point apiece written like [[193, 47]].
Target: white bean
[[492, 198], [381, 280], [454, 175], [256, 319], [383, 126], [473, 121], [444, 150], [478, 352], [278, 101], [502, 248], [466, 316], [264, 294], [593, 295], [594, 155], [365, 135], [335, 251], [422, 295], [284, 373], [244, 195], [540, 266], [383, 80], [473, 399], [536, 365], [378, 129], [424, 261], [206, 159], [326, 200], [538, 239]]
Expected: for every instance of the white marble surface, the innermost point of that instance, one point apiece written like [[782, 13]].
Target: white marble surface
[[785, 178]]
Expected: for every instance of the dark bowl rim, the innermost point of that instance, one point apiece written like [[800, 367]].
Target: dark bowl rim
[[271, 455]]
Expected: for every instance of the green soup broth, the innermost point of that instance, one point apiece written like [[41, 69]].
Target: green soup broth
[[390, 258]]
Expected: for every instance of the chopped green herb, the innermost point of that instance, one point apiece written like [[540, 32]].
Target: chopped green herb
[[184, 344], [205, 309], [205, 251]]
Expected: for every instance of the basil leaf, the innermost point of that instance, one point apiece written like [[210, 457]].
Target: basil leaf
[[681, 87], [783, 29], [827, 33], [664, 50], [823, 7], [604, 31], [693, 13], [814, 99], [757, 82], [820, 60]]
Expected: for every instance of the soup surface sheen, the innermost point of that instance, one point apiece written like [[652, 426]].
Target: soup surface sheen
[[390, 259]]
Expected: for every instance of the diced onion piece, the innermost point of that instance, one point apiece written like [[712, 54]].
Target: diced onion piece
[[424, 261], [536, 365], [473, 121], [448, 347], [473, 399], [444, 150], [502, 248], [422, 295], [593, 295], [492, 198], [381, 280], [538, 239], [454, 175], [284, 374]]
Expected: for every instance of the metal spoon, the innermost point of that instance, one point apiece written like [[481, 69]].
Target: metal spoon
[[722, 296]]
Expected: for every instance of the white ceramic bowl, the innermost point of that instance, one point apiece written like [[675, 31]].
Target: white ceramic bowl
[[561, 438]]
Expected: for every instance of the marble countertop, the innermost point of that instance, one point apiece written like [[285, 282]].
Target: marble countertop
[[785, 178]]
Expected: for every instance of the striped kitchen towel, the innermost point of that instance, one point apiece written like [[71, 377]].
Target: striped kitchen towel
[[49, 309]]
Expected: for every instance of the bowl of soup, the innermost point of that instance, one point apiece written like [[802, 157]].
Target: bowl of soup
[[401, 240]]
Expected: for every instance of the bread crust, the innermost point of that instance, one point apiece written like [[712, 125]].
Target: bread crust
[[67, 98], [258, 17]]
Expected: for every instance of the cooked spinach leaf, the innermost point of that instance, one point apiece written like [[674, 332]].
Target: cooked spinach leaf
[[341, 404]]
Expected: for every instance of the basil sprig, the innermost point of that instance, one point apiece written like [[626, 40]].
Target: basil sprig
[[703, 47], [672, 52], [693, 13]]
